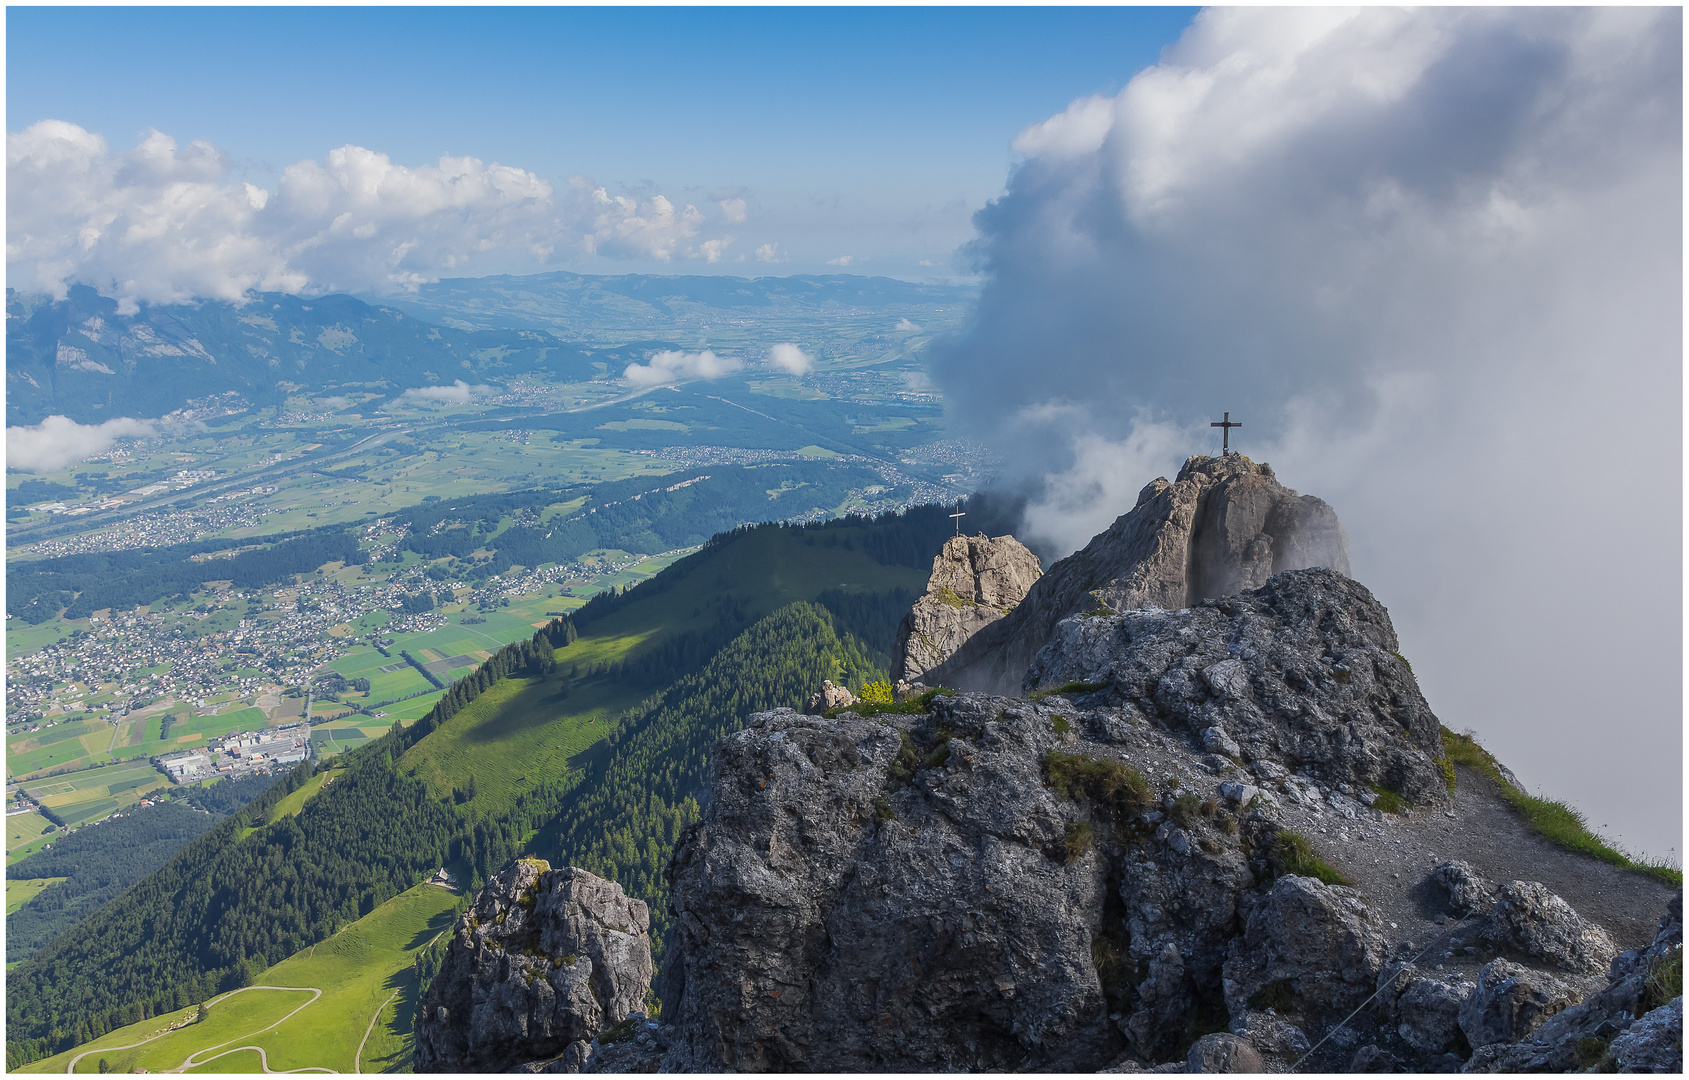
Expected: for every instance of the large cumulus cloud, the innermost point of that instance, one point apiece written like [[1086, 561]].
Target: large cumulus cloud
[[165, 223], [1433, 261]]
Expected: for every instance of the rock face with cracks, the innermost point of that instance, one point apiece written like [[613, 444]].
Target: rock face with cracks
[[543, 960], [1225, 525], [975, 581], [1001, 883], [1302, 673]]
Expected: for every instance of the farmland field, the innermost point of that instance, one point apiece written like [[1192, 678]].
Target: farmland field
[[25, 835], [91, 793]]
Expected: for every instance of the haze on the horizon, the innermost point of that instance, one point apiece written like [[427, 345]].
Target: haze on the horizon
[[1431, 259]]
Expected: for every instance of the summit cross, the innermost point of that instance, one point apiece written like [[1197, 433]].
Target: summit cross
[[1225, 427], [959, 515]]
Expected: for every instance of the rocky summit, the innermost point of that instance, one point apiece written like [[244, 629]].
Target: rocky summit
[[542, 963], [975, 581], [1225, 525]]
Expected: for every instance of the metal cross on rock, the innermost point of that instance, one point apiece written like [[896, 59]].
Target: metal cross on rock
[[1225, 427], [959, 515]]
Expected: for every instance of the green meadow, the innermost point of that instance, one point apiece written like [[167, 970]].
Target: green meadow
[[516, 734], [26, 834], [19, 893], [363, 973]]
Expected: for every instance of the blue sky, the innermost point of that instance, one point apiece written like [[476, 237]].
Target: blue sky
[[872, 133]]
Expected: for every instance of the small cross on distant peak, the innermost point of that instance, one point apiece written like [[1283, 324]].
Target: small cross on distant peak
[[959, 515], [1225, 427]]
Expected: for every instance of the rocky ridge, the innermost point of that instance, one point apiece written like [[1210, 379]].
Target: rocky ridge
[[1224, 525], [1221, 836], [1091, 880]]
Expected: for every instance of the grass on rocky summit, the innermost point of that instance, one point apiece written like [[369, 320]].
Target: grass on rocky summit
[[1550, 818], [914, 706], [1068, 688], [1108, 783], [1292, 854], [1665, 981]]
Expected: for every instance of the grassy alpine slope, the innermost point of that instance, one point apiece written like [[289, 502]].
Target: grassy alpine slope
[[491, 781], [364, 970]]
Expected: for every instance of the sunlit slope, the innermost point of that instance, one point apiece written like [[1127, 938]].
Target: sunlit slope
[[760, 570], [363, 973], [524, 730]]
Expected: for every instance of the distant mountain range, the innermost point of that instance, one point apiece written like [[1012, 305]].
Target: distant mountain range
[[608, 309], [81, 358]]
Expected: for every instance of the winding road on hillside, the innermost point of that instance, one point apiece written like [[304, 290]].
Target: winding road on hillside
[[358, 1058], [189, 1062]]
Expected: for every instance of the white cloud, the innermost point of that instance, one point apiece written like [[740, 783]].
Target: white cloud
[[733, 210], [675, 365], [624, 227], [710, 250], [904, 326], [788, 357], [458, 393], [162, 223], [1433, 260], [842, 260], [59, 441], [770, 253]]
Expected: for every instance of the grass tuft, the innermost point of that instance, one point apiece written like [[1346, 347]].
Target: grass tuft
[[1550, 818], [1075, 842], [1589, 1052], [1109, 783], [920, 703], [1388, 801], [1069, 688], [1061, 725], [1184, 810], [1292, 854], [1665, 981]]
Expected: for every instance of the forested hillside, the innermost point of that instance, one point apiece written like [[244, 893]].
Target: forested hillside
[[264, 883], [99, 862]]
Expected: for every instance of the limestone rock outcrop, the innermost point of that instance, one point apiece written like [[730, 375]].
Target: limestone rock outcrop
[[975, 581], [828, 697], [1319, 942], [1003, 883], [540, 964], [1302, 674], [1528, 917], [1224, 526]]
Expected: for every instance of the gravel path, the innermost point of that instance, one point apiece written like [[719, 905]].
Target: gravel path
[[1389, 861]]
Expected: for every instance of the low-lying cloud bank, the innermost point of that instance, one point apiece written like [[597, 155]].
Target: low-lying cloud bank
[[676, 365], [1432, 260], [790, 359], [162, 223], [58, 441], [457, 393]]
